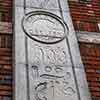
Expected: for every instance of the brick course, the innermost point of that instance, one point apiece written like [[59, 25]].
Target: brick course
[[91, 61], [5, 50], [85, 15]]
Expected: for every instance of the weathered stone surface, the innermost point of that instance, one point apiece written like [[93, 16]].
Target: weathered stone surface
[[19, 37], [82, 84], [20, 82], [88, 37], [43, 4], [46, 53]]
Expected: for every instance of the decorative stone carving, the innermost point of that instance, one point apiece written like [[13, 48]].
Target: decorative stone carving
[[50, 55], [51, 78], [47, 62], [48, 87], [44, 27]]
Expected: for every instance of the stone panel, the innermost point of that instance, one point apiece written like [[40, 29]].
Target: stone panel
[[46, 53], [20, 82]]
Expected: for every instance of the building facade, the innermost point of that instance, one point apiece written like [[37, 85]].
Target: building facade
[[86, 20]]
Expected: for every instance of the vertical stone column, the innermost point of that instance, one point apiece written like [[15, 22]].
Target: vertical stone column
[[47, 60], [20, 53]]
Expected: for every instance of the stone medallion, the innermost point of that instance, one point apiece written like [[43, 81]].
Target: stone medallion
[[44, 27]]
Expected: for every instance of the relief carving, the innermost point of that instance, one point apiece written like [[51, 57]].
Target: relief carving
[[51, 29], [49, 69], [69, 91], [50, 55], [51, 79], [52, 85], [54, 78]]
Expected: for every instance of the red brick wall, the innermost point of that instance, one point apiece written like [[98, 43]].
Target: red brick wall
[[91, 60], [6, 10], [85, 15], [5, 50]]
